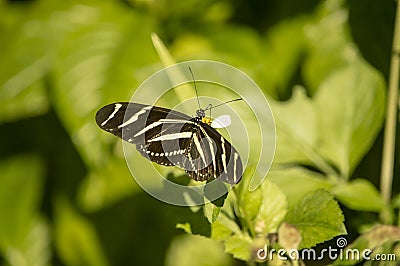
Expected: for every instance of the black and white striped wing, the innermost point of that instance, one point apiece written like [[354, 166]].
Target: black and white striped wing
[[154, 130], [169, 137], [210, 155], [130, 120]]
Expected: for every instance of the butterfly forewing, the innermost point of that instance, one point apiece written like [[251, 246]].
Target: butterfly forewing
[[133, 118], [169, 137]]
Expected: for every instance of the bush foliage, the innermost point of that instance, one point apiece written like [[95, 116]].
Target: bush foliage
[[66, 195]]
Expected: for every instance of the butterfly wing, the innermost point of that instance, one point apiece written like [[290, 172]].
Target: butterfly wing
[[168, 137], [221, 121], [130, 120], [154, 130], [210, 155]]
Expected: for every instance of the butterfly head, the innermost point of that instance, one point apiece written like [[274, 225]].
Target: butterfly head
[[201, 116], [200, 113]]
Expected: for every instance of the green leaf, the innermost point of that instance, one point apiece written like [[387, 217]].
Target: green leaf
[[264, 208], [85, 58], [239, 246], [297, 132], [339, 123], [296, 182], [224, 227], [197, 251], [318, 217], [327, 131], [97, 63], [213, 208], [75, 238], [326, 52], [282, 54], [89, 76], [162, 51], [220, 231], [22, 89], [185, 227], [396, 201], [360, 195], [21, 183], [24, 235], [99, 188], [17, 103], [248, 201], [35, 248], [349, 125], [185, 91], [272, 210], [211, 211]]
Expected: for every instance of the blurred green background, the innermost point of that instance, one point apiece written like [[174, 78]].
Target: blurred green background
[[66, 195]]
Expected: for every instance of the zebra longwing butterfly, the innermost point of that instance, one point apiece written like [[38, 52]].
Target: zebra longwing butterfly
[[169, 137]]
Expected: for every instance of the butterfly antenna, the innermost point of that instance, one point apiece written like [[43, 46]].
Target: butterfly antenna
[[211, 107], [195, 88]]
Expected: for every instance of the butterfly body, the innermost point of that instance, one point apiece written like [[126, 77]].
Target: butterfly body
[[172, 138]]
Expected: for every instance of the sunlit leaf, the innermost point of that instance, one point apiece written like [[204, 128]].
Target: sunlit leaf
[[272, 210], [359, 194], [326, 131], [296, 131], [22, 88], [249, 201], [296, 182], [97, 64], [20, 194], [318, 218], [211, 211], [197, 251], [349, 125], [24, 236], [282, 55], [224, 227], [239, 246], [326, 52]]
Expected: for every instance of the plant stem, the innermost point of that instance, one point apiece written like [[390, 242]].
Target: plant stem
[[390, 124]]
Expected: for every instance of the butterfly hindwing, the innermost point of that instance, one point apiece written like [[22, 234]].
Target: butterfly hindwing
[[167, 144], [214, 157]]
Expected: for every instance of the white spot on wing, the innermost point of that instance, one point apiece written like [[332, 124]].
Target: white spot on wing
[[221, 121]]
